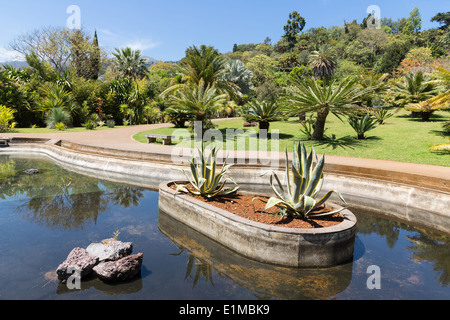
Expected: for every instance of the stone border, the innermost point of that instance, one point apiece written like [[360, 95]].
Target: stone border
[[289, 247]]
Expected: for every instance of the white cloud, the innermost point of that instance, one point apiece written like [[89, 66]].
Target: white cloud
[[10, 55], [116, 40], [142, 45]]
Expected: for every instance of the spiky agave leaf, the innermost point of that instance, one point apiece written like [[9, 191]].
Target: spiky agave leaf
[[298, 198]]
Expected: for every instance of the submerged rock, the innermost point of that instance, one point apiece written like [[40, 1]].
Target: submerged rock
[[31, 171], [121, 270], [110, 249], [80, 259]]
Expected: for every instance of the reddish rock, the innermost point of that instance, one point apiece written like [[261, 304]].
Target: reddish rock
[[79, 259]]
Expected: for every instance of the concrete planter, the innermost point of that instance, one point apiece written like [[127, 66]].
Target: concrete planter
[[306, 248]]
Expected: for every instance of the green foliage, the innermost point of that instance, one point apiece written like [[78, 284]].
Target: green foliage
[[57, 115], [206, 180], [294, 26], [129, 63], [414, 88], [298, 198], [6, 118], [362, 124], [110, 123], [263, 112], [60, 126]]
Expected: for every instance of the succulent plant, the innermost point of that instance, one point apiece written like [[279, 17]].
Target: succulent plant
[[204, 179], [298, 198]]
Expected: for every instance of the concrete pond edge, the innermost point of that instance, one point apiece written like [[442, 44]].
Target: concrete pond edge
[[288, 247]]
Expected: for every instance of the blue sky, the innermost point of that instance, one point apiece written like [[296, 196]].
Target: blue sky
[[164, 29]]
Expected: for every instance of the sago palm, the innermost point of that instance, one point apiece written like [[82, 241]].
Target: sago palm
[[201, 102], [263, 112], [415, 88], [311, 95]]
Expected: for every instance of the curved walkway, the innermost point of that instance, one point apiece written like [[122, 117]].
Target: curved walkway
[[429, 176]]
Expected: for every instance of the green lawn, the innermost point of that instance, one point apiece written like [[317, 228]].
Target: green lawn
[[401, 138]]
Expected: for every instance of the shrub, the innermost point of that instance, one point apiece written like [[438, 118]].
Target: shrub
[[6, 118], [60, 126], [110, 123], [57, 115]]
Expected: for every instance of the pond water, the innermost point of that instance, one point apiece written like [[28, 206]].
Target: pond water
[[44, 216]]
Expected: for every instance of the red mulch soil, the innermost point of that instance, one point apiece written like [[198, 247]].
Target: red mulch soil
[[246, 207]]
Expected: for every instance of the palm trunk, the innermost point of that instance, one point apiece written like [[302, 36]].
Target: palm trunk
[[320, 124]]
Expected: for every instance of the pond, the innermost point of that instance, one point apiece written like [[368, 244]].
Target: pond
[[44, 216]]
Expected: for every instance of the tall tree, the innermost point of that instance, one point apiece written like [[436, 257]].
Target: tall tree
[[414, 22], [129, 63], [294, 26], [311, 95], [95, 58], [443, 18], [322, 63]]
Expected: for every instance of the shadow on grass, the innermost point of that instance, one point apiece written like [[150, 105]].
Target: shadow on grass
[[433, 118], [346, 142]]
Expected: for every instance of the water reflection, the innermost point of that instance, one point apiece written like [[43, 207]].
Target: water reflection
[[58, 198], [265, 280]]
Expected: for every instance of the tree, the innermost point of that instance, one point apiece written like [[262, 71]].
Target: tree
[[95, 58], [262, 67], [322, 62], [443, 18], [394, 53], [294, 26], [203, 65], [312, 95], [200, 101], [129, 63], [60, 47], [413, 23], [414, 88], [237, 73]]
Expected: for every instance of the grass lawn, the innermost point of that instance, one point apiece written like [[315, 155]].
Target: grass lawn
[[401, 138]]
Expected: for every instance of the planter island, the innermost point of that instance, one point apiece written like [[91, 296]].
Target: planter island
[[290, 247]]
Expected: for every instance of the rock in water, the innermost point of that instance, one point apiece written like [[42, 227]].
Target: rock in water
[[110, 249], [80, 259], [31, 171], [121, 270]]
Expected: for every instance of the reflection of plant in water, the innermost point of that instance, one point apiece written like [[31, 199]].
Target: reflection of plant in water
[[60, 198], [368, 224], [434, 252], [200, 267], [7, 169]]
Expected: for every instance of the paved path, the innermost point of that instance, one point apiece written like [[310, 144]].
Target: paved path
[[122, 139]]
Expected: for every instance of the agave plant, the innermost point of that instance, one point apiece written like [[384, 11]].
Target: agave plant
[[298, 198], [204, 177]]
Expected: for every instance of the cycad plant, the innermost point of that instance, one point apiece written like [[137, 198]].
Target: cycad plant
[[415, 88], [298, 198], [201, 102], [362, 124], [322, 62], [206, 180], [313, 95], [263, 112]]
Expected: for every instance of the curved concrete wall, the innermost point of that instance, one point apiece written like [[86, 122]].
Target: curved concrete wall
[[413, 204]]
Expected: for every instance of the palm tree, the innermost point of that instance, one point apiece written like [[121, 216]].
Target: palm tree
[[263, 112], [322, 62], [415, 88], [314, 95], [129, 63], [200, 101], [203, 64], [237, 73]]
